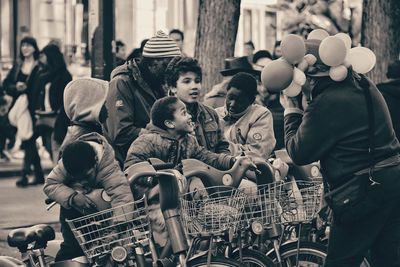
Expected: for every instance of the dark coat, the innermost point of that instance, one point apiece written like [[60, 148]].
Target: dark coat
[[334, 129], [129, 101], [391, 93], [9, 86], [58, 80]]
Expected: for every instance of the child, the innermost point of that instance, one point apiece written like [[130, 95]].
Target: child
[[183, 79], [168, 138], [87, 163]]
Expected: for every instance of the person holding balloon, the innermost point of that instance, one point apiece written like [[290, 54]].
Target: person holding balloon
[[347, 127]]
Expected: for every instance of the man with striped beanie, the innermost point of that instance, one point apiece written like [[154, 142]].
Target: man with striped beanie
[[134, 87]]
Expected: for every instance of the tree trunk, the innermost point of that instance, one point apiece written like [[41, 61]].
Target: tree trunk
[[381, 33], [217, 27]]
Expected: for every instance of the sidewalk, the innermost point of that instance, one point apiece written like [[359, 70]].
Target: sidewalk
[[14, 166]]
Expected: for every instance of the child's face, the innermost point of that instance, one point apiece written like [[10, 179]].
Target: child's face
[[188, 87], [182, 119], [237, 101], [86, 175]]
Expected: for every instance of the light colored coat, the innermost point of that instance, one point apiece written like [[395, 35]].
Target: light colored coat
[[253, 133]]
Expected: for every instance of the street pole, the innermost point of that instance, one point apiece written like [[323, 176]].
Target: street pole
[[102, 58]]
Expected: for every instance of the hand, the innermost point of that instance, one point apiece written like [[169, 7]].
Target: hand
[[290, 102], [81, 202], [21, 86]]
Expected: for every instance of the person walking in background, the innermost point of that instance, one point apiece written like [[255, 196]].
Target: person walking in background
[[19, 83], [248, 50], [391, 92], [7, 131], [183, 79], [120, 53], [134, 87], [178, 36], [51, 120], [247, 126], [216, 96]]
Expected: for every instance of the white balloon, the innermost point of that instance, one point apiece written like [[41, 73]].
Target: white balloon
[[318, 34], [338, 73], [311, 59], [345, 38], [293, 89], [299, 77], [361, 59]]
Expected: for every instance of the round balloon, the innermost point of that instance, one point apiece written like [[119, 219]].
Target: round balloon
[[345, 38], [293, 48], [318, 34], [338, 73], [293, 89], [277, 75], [332, 51], [299, 77], [361, 59]]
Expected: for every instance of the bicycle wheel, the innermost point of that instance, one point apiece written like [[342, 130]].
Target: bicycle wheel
[[309, 254], [253, 258], [215, 262]]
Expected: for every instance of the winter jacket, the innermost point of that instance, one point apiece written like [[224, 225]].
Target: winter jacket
[[158, 143], [208, 131], [334, 129], [252, 133], [129, 101], [391, 93], [84, 111], [108, 176]]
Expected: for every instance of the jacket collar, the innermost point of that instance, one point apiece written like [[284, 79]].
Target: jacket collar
[[154, 129]]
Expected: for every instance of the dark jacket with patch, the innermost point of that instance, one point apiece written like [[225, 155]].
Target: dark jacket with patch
[[129, 101], [334, 129]]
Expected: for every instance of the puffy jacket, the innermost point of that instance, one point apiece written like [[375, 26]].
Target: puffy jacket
[[334, 129], [252, 133], [158, 143], [209, 132], [129, 101], [108, 176]]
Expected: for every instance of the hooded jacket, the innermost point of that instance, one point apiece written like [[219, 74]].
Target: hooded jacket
[[391, 93], [158, 143], [83, 100], [108, 176], [129, 101], [334, 129]]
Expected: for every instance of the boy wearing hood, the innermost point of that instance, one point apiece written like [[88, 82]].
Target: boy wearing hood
[[84, 103]]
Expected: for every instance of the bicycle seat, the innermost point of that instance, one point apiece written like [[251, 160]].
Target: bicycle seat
[[40, 234]]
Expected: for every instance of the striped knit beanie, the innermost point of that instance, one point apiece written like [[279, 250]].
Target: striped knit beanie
[[161, 46]]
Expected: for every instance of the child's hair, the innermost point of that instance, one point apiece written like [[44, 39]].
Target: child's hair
[[244, 82], [78, 156], [163, 109], [179, 65]]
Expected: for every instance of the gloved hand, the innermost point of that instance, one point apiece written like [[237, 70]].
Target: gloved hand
[[81, 202]]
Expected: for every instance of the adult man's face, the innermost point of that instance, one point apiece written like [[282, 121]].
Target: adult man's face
[[157, 67]]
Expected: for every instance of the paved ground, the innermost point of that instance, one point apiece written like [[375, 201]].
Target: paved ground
[[21, 207]]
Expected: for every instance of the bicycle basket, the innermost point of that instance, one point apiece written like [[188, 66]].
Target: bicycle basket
[[212, 210], [125, 225], [285, 202]]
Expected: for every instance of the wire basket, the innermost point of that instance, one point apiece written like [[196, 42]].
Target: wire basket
[[212, 210], [284, 202], [125, 225]]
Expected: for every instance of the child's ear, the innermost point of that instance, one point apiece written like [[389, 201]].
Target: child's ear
[[169, 124]]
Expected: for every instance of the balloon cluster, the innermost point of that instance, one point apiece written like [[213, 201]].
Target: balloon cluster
[[287, 73]]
